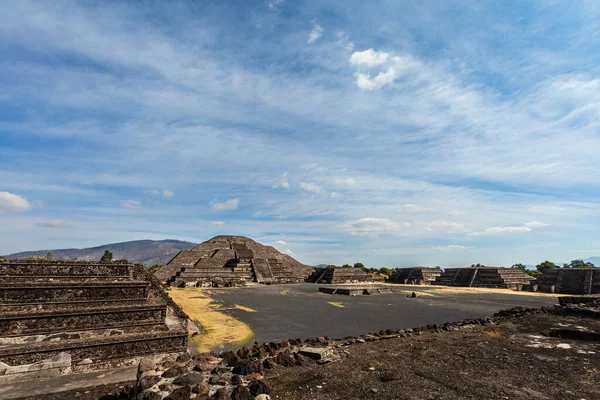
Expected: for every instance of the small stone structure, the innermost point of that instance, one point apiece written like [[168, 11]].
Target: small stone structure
[[62, 316], [569, 281], [340, 275], [231, 261], [415, 275], [486, 277], [355, 291]]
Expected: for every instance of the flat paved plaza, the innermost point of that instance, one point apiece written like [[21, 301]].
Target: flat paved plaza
[[281, 312]]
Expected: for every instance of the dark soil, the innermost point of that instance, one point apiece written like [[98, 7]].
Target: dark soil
[[482, 362]]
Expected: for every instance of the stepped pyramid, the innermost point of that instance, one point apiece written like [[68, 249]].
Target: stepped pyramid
[[415, 275], [569, 281], [490, 277], [58, 316], [339, 275], [231, 261]]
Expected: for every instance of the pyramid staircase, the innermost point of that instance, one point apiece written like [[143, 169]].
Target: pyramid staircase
[[569, 281]]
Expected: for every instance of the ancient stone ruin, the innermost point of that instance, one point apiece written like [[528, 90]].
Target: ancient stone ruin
[[339, 275], [485, 277], [62, 316], [569, 281], [231, 261], [415, 276]]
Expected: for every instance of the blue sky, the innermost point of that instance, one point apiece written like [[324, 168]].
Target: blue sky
[[391, 133]]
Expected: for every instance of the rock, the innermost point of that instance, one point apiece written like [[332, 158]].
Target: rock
[[148, 381], [182, 393], [214, 380], [185, 357], [360, 340], [201, 388], [241, 393], [220, 394], [316, 353], [149, 373], [85, 361], [246, 367], [321, 340], [256, 376], [150, 395], [236, 380], [165, 387], [146, 364], [174, 371], [204, 367], [263, 397], [189, 379], [269, 363], [259, 387], [168, 364], [285, 358]]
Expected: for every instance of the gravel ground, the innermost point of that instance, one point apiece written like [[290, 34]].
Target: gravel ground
[[512, 360]]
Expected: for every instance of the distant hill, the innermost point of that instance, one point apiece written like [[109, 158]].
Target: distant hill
[[147, 252]]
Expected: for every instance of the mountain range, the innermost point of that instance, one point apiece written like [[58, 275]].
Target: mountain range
[[147, 252]]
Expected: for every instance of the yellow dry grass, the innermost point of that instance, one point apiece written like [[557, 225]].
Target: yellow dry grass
[[336, 304], [221, 329], [434, 289], [284, 292], [492, 334]]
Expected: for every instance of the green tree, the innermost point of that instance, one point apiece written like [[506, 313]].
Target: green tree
[[385, 271], [107, 257], [477, 265], [359, 265], [579, 264], [331, 266], [346, 266], [546, 265], [524, 269], [520, 266], [49, 256]]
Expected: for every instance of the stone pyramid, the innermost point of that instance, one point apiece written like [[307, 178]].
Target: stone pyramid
[[231, 261]]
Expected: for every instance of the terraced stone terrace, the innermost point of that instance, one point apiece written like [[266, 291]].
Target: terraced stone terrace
[[88, 315]]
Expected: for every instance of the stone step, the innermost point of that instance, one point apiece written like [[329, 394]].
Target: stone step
[[60, 292]]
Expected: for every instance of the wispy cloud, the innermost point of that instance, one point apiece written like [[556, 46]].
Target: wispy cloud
[[374, 227], [218, 223], [55, 224], [315, 34], [131, 203]]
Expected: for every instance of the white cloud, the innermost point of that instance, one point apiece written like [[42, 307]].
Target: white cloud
[[316, 33], [283, 182], [289, 251], [231, 204], [450, 247], [374, 227], [218, 223], [369, 58], [312, 167], [526, 227], [55, 223], [164, 193], [444, 226], [131, 203], [334, 195], [535, 224], [393, 68], [311, 187], [12, 203], [345, 181], [257, 214], [281, 242], [345, 41], [410, 208]]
